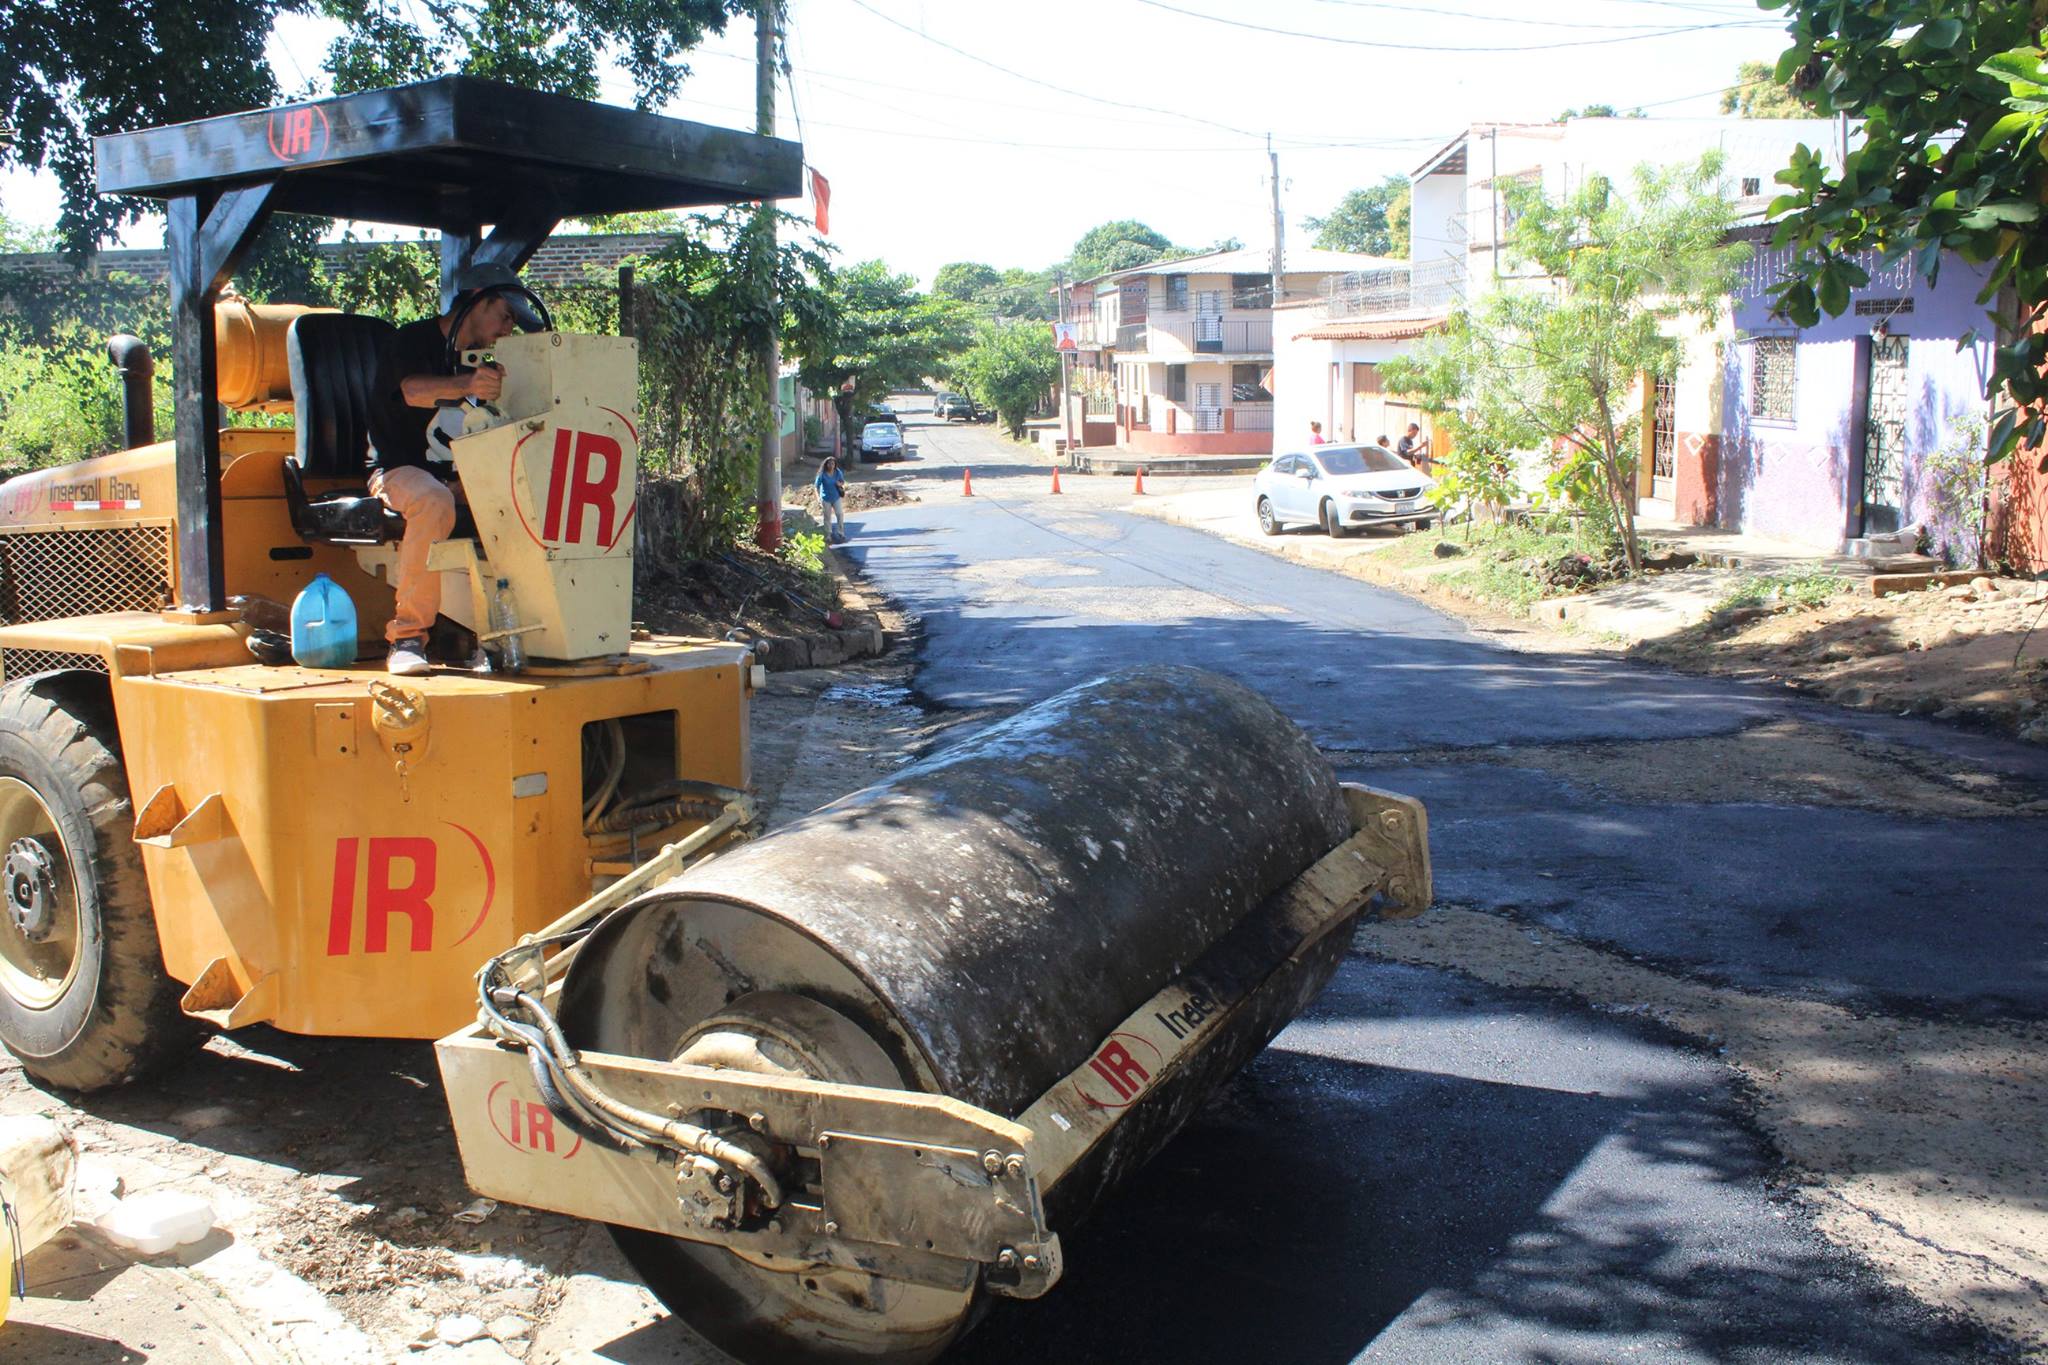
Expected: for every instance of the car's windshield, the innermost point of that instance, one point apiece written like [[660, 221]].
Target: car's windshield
[[879, 429], [1360, 460]]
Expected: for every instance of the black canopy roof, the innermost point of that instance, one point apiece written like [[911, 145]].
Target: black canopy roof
[[453, 153]]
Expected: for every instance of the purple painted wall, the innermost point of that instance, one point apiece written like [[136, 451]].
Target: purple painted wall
[[1797, 479]]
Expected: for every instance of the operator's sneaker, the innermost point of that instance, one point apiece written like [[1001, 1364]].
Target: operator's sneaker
[[408, 659]]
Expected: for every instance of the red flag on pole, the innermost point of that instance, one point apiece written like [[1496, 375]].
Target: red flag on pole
[[821, 193]]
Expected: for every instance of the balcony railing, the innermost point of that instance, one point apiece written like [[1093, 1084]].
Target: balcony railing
[[1200, 335], [1397, 289], [1175, 418]]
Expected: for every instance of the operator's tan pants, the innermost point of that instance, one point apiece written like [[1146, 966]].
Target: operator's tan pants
[[429, 511]]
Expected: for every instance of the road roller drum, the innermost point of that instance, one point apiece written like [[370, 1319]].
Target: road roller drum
[[837, 1085]]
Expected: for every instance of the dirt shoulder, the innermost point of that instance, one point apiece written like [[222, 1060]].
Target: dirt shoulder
[[1975, 652]]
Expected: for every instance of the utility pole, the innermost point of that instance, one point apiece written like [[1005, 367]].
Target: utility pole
[[768, 479], [1066, 360], [1279, 226]]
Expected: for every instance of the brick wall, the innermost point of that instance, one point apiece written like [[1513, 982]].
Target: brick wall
[[568, 258]]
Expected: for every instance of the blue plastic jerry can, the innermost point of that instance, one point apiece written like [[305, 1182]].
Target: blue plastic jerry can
[[324, 625]]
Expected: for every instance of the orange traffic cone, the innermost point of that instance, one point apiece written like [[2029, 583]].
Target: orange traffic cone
[[1055, 478], [1139, 487], [966, 483]]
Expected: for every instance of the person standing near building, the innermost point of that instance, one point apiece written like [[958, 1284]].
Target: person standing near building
[[1414, 447], [1315, 434]]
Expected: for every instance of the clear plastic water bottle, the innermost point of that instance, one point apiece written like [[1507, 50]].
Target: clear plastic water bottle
[[324, 625], [505, 617]]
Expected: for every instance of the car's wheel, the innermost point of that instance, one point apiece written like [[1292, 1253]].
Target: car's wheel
[[1268, 523], [85, 1002], [1331, 523]]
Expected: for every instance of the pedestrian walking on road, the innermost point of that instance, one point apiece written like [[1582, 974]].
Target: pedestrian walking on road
[[831, 486]]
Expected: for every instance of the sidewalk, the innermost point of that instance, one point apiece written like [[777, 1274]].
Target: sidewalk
[[1645, 609]]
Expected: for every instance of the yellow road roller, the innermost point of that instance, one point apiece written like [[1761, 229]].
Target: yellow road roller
[[834, 1088]]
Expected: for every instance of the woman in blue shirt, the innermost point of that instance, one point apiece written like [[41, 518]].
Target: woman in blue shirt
[[831, 486]]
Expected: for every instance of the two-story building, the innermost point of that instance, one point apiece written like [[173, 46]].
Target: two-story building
[[1184, 348], [1329, 348]]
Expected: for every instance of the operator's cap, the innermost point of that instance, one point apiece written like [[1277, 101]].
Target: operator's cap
[[487, 274]]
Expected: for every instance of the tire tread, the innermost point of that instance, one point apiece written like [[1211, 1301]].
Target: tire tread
[[135, 1022]]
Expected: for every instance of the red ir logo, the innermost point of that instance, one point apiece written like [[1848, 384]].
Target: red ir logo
[[298, 134], [527, 1125], [398, 876], [590, 497], [1114, 1076]]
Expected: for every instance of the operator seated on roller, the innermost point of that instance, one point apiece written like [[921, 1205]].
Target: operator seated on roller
[[418, 375]]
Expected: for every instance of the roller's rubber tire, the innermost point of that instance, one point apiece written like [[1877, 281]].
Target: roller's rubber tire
[[115, 1014], [1332, 527], [1269, 525]]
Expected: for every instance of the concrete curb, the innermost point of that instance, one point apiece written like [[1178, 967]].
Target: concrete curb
[[858, 639]]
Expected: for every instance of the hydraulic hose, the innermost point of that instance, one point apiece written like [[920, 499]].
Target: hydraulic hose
[[666, 1131]]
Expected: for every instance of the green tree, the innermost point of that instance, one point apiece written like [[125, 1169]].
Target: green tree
[[1373, 220], [1757, 93], [78, 68], [703, 309], [16, 236], [1011, 367], [963, 280], [888, 336], [1952, 101], [1121, 245], [1555, 365], [1020, 294]]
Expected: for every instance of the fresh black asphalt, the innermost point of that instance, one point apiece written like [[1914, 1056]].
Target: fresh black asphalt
[[1425, 1168]]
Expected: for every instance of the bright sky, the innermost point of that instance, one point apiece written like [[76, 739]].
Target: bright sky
[[1000, 132]]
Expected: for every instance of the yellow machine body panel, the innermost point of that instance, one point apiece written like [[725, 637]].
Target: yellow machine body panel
[[96, 537], [304, 871], [303, 876]]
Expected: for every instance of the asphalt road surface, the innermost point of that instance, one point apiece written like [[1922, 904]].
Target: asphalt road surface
[[1428, 1167]]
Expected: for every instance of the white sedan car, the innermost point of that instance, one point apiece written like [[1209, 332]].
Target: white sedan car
[[1342, 489]]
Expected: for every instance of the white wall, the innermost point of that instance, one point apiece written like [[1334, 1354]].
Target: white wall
[[1436, 204]]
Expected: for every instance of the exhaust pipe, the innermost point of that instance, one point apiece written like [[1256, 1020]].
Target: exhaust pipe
[[138, 398]]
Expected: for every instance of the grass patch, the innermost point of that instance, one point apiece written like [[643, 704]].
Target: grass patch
[[1800, 588], [1495, 567]]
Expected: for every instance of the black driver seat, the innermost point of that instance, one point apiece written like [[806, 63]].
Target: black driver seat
[[335, 359]]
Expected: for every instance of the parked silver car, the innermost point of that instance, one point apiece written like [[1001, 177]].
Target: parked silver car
[[881, 441], [1342, 489]]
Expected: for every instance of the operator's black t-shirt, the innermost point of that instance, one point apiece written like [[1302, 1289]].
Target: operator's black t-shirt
[[398, 431]]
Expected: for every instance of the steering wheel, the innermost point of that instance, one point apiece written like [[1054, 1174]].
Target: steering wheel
[[547, 322]]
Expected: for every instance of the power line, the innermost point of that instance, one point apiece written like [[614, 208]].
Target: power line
[[1286, 144], [1045, 84], [844, 80], [1467, 48], [1490, 18]]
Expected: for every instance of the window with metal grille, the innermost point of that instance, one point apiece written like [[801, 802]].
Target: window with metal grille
[[1772, 363], [1176, 294], [1752, 185], [1177, 383], [1251, 291], [1245, 386]]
